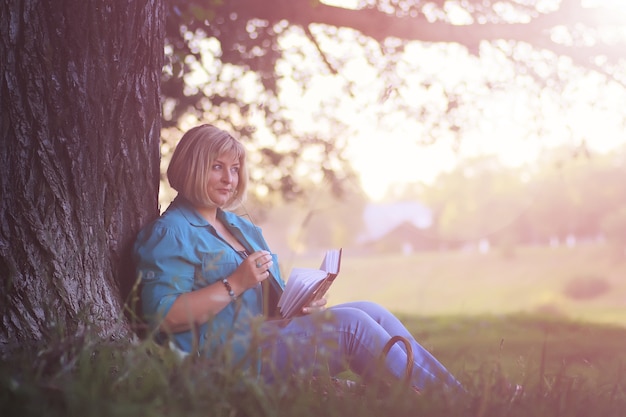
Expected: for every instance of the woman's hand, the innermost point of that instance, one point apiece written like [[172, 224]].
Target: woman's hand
[[253, 269], [200, 305], [315, 306]]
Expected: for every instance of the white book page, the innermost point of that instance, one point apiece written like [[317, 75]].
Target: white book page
[[303, 281], [299, 286], [293, 286], [331, 261]]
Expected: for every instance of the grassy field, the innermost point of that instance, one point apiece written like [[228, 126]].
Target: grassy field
[[550, 319], [585, 283], [525, 348], [567, 369]]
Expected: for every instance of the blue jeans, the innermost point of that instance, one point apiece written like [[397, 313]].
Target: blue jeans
[[347, 336]]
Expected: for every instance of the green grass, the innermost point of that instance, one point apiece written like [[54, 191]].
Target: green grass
[[468, 283], [523, 346], [568, 369], [485, 317]]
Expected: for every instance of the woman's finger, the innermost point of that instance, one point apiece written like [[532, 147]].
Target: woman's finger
[[261, 259], [315, 306], [319, 303]]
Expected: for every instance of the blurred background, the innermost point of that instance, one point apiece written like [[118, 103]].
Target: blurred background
[[468, 156]]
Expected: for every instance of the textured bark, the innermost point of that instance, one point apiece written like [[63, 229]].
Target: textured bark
[[79, 159]]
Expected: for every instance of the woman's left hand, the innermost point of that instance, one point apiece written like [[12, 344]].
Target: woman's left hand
[[315, 306]]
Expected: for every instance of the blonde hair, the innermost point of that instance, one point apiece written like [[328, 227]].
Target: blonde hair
[[190, 166]]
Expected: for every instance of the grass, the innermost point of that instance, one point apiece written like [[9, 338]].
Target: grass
[[524, 346], [484, 317], [568, 369], [535, 280]]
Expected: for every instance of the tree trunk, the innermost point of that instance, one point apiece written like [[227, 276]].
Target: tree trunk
[[79, 160]]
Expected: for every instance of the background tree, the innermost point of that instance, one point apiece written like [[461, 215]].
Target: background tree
[[79, 160], [614, 227], [572, 194], [480, 199], [560, 196]]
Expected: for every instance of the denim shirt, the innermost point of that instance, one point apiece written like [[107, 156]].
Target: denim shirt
[[181, 252]]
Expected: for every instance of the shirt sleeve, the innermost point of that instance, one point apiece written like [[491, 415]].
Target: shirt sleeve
[[165, 268]]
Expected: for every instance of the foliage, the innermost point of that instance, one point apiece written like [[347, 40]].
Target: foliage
[[552, 200], [235, 63], [481, 202], [567, 369], [614, 226]]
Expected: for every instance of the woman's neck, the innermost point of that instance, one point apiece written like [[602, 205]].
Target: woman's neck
[[209, 214]]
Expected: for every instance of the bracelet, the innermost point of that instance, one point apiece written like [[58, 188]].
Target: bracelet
[[229, 289]]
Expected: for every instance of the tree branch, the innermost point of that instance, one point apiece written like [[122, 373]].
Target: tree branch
[[379, 26], [309, 35]]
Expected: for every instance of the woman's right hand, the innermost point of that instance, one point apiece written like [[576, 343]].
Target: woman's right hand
[[194, 303], [253, 269]]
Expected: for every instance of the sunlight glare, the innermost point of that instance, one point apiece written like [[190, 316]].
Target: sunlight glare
[[514, 120], [610, 4], [345, 4], [386, 158]]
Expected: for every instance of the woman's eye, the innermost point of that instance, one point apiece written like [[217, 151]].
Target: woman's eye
[[234, 170], [217, 166]]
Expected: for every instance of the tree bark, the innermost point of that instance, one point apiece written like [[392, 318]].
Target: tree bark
[[79, 160]]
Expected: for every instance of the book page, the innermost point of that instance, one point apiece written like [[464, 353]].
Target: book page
[[332, 261], [300, 285], [305, 285]]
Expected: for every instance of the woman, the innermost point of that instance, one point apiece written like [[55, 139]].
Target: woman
[[202, 268]]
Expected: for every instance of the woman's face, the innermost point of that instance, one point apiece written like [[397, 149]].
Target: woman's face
[[223, 178]]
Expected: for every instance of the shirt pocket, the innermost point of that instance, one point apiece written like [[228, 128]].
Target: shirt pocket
[[215, 267]]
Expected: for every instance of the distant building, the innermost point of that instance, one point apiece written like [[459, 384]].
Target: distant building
[[397, 227]]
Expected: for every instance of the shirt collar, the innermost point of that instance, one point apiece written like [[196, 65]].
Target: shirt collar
[[189, 212], [194, 218]]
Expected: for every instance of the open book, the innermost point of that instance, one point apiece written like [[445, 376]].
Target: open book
[[306, 285]]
